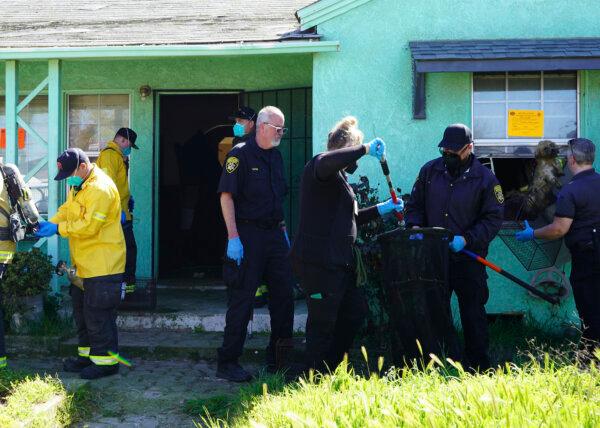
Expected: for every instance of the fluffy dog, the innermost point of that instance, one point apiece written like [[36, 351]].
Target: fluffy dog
[[546, 179]]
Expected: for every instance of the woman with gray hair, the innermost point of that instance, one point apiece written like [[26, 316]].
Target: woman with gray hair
[[323, 251]]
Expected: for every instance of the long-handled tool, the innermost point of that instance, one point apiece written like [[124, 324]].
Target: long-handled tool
[[550, 299], [386, 173]]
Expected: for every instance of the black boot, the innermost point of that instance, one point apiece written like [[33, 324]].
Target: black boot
[[94, 371], [233, 372], [76, 364]]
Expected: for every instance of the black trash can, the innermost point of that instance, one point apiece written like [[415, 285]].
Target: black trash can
[[415, 274]]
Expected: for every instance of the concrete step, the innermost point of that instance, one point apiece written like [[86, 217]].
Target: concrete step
[[198, 310]]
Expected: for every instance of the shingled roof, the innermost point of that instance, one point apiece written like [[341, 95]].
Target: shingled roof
[[82, 23], [504, 49]]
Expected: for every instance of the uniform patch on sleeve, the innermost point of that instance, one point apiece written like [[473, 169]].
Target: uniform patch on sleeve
[[232, 164], [498, 193]]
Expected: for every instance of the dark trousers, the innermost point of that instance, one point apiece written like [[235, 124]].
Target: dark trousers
[[468, 279], [265, 257], [131, 253], [95, 315], [585, 282], [3, 267], [336, 311]]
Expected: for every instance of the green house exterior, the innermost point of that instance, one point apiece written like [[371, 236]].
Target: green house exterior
[[342, 57]]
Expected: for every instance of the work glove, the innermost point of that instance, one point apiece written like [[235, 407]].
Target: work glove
[[377, 148], [287, 238], [457, 244], [526, 234], [388, 206], [131, 204], [235, 250], [123, 217], [46, 229]]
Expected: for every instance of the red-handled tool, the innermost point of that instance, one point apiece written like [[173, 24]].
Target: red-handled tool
[[386, 172], [550, 299]]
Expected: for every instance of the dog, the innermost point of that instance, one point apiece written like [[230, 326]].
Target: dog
[[546, 179]]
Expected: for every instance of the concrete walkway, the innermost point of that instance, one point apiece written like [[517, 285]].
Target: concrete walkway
[[150, 394]]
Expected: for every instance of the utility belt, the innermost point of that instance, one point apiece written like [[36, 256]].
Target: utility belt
[[264, 224]]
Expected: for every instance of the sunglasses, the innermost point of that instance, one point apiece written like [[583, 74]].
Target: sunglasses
[[443, 150], [279, 129]]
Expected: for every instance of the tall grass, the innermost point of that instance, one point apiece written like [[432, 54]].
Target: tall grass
[[540, 393]]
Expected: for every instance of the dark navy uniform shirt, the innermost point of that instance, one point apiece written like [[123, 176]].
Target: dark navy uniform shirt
[[471, 205], [255, 178], [580, 200]]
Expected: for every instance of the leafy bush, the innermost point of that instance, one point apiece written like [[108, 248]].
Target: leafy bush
[[28, 275]]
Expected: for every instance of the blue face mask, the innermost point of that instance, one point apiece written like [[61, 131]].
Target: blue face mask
[[238, 130], [126, 151], [74, 180]]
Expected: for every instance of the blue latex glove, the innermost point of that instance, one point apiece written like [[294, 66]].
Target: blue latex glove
[[416, 237], [287, 238], [377, 148], [235, 250], [131, 204], [46, 229], [123, 217], [388, 206], [526, 234], [457, 244]]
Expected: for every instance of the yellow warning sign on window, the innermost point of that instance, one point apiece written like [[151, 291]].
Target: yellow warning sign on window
[[525, 123]]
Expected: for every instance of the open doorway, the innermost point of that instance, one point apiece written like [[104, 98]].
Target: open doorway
[[192, 232]]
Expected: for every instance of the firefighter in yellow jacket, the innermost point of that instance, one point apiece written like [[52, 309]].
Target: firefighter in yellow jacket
[[114, 161], [91, 220], [7, 250]]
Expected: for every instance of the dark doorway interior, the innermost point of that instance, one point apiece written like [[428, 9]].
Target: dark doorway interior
[[192, 231]]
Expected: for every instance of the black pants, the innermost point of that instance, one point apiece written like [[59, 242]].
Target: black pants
[[468, 279], [95, 315], [131, 253], [585, 281], [336, 311], [265, 257], [2, 340]]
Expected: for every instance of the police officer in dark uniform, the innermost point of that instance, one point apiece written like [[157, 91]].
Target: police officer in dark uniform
[[244, 127], [458, 193], [577, 218], [252, 190], [323, 251]]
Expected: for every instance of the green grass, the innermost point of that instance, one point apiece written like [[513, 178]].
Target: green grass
[[40, 401], [546, 393]]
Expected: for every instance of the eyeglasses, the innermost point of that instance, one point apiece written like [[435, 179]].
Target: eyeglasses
[[443, 150], [279, 129]]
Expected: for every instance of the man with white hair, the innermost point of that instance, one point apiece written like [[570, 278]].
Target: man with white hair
[[253, 189]]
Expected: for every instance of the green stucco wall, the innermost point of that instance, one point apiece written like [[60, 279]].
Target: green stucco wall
[[371, 78], [249, 73]]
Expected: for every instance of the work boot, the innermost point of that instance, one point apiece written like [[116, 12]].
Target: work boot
[[76, 364], [233, 372], [94, 371]]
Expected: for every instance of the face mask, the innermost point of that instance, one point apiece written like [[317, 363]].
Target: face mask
[[238, 130], [452, 162], [350, 169], [126, 151], [74, 180]]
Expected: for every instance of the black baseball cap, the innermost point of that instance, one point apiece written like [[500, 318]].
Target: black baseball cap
[[456, 136], [69, 161], [244, 113], [129, 134]]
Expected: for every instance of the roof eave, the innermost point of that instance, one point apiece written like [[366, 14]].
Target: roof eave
[[324, 10], [158, 51]]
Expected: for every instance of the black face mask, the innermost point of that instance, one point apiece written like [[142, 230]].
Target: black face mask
[[351, 168], [452, 162]]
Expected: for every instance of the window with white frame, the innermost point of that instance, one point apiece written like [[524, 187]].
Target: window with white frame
[[494, 94], [94, 120]]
